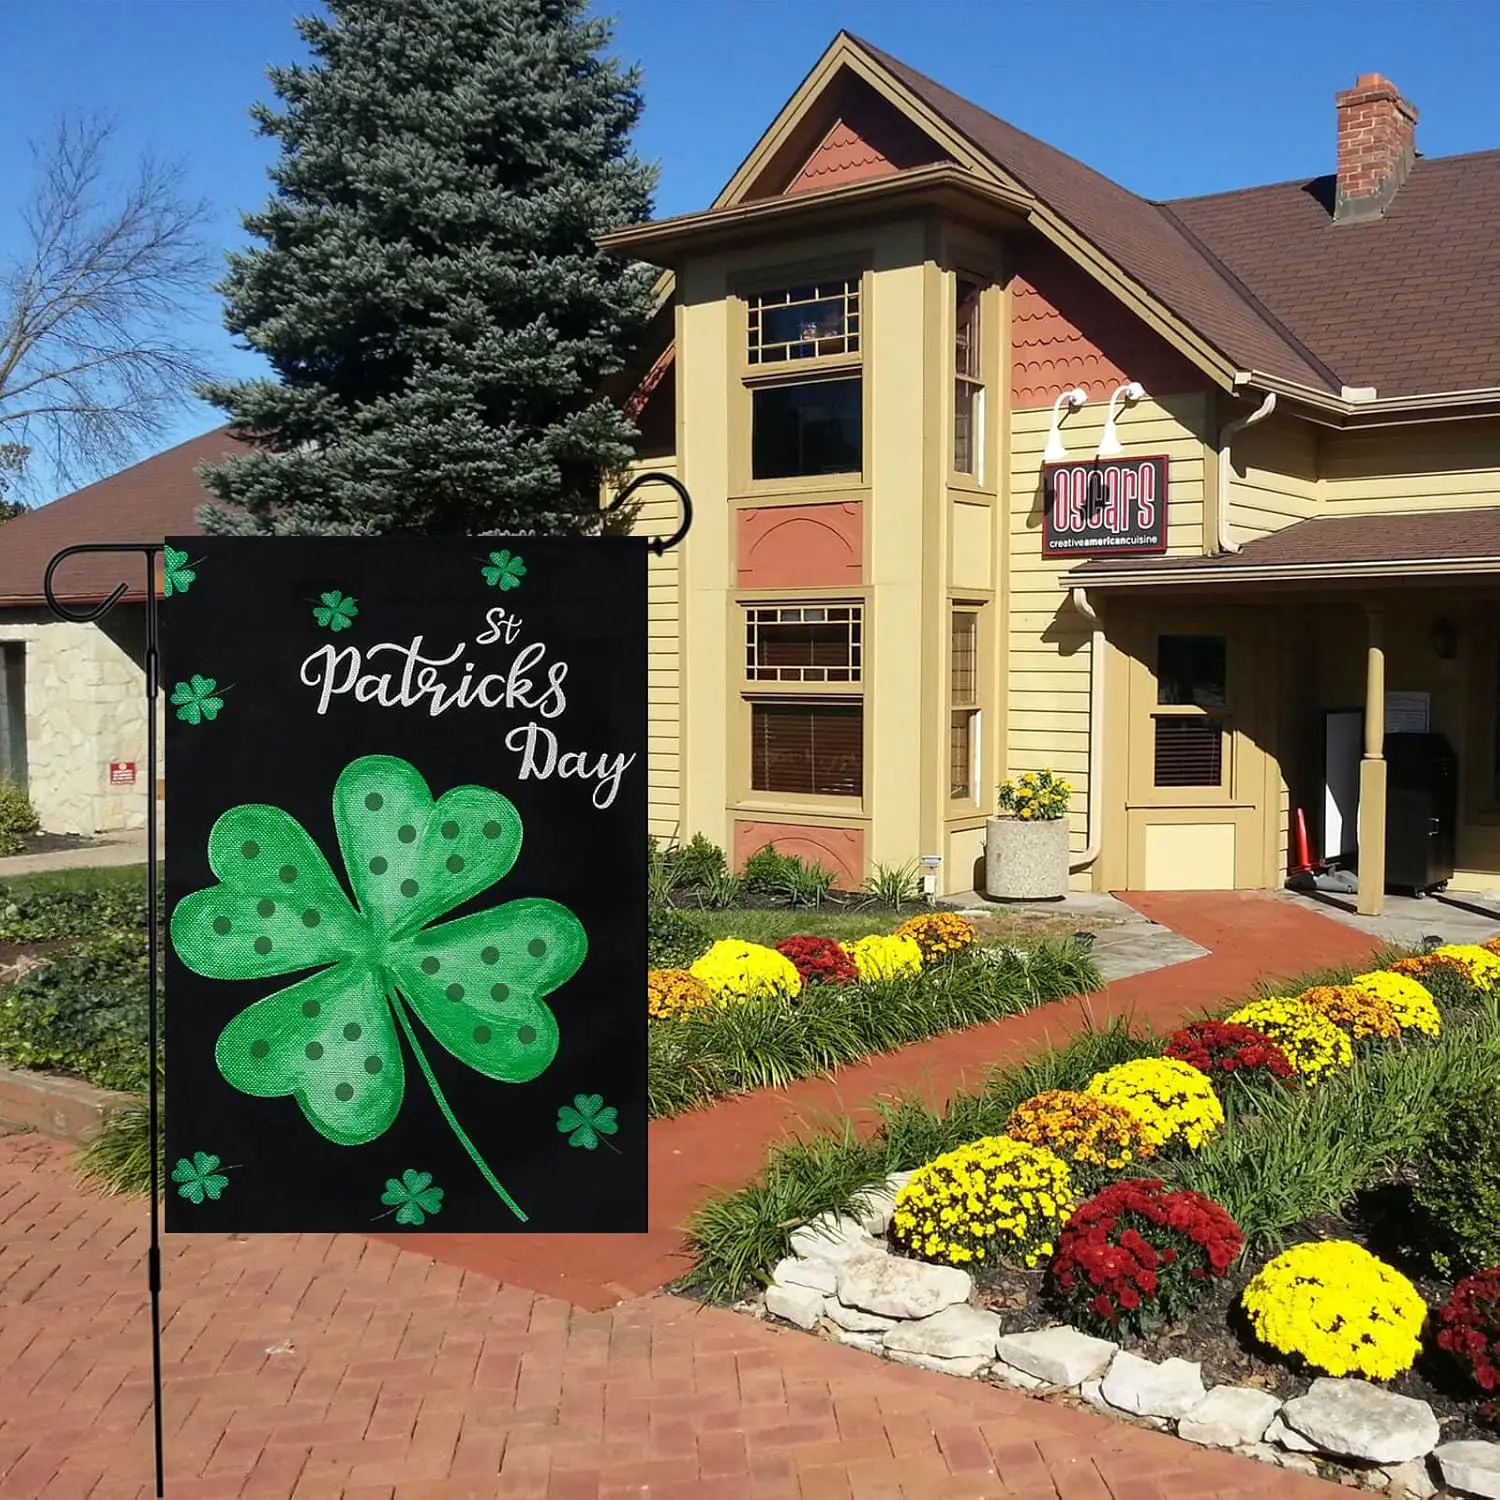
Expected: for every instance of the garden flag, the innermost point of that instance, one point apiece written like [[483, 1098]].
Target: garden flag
[[406, 885]]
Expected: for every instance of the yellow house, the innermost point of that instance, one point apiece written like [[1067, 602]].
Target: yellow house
[[997, 466]]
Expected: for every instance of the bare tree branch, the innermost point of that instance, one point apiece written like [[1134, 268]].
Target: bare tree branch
[[95, 311]]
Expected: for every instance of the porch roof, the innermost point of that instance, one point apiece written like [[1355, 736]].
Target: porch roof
[[1432, 544]]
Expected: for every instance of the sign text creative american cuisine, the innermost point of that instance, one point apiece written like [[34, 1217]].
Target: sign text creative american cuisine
[[406, 836], [1105, 506]]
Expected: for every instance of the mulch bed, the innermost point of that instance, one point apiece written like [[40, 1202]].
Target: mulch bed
[[1217, 1337], [53, 843]]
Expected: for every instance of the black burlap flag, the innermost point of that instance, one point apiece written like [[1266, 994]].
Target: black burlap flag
[[405, 851]]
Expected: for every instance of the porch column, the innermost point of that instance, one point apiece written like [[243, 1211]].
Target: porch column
[[1372, 774]]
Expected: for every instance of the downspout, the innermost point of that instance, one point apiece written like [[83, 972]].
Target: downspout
[[1090, 853], [1227, 435]]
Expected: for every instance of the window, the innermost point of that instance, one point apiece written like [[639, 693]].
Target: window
[[813, 428], [13, 712], [804, 322], [808, 748], [968, 388], [1190, 670], [803, 643], [1189, 751], [963, 705]]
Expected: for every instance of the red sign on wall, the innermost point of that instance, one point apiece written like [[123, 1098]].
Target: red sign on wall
[[1102, 506], [122, 773]]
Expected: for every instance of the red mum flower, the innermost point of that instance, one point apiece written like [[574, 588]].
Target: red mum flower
[[819, 960]]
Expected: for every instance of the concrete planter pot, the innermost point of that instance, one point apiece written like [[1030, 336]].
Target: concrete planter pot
[[1026, 861]]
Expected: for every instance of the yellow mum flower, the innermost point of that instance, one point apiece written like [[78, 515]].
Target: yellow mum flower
[[736, 970], [1313, 1044], [892, 956], [1409, 1001], [1173, 1100]]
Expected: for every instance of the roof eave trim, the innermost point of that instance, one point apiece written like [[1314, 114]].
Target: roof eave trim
[[671, 236], [1337, 411], [1400, 568]]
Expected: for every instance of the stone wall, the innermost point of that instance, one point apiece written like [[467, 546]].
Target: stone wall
[[85, 708]]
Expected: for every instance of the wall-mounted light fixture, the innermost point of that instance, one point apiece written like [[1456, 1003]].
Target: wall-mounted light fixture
[[1055, 452], [1445, 639], [1131, 392]]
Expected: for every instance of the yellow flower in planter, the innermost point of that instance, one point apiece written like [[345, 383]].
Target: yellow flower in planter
[[1335, 1305], [737, 970], [882, 957], [1314, 1046], [1173, 1100], [1410, 1003], [938, 934]]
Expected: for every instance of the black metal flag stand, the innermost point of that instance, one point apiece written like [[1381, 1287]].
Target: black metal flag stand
[[148, 552]]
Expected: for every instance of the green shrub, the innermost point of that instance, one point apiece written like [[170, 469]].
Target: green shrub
[[673, 939], [1458, 1186], [699, 862], [768, 872], [37, 913], [17, 817], [894, 886], [83, 1014]]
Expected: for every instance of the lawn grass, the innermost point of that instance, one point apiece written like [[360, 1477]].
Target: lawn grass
[[89, 880]]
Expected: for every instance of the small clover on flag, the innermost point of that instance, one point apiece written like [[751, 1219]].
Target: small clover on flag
[[587, 1120], [197, 699], [413, 1197], [336, 611], [330, 1039], [177, 577], [505, 571], [199, 1178]]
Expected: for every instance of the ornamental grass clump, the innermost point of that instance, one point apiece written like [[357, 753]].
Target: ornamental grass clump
[[1085, 1131], [939, 934], [819, 960], [1231, 1056], [1468, 1330], [886, 957], [1136, 1255], [1174, 1102], [736, 970], [1314, 1045], [1410, 1003], [674, 992], [994, 1199], [1337, 1308], [1354, 1009]]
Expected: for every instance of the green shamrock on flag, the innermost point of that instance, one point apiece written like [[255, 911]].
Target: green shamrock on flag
[[199, 1178], [413, 1197], [586, 1121], [330, 1039], [197, 699], [336, 611], [505, 571], [177, 577]]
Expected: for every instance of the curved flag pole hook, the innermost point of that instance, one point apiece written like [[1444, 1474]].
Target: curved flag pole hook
[[657, 544], [87, 615]]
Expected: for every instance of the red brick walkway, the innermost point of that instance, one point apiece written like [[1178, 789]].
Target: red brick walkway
[[312, 1367], [1248, 936]]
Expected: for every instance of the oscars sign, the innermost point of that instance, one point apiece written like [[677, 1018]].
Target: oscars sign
[[1102, 507]]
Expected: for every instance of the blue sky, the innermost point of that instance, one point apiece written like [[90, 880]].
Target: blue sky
[[1171, 97]]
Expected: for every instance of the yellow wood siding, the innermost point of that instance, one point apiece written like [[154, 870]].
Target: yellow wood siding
[[1047, 663], [658, 515], [1448, 465], [1273, 478]]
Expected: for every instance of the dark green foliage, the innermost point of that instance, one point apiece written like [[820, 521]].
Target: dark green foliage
[[699, 862], [84, 1014], [425, 282], [894, 886], [673, 939], [118, 1158], [36, 913], [1449, 987], [17, 817], [796, 881], [1458, 1186], [692, 874]]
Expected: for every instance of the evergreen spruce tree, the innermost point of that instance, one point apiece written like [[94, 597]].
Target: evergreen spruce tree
[[426, 286]]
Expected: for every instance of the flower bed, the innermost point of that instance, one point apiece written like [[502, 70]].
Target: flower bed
[[1270, 1246]]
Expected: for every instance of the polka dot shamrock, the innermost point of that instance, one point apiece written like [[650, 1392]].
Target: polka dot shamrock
[[330, 1040]]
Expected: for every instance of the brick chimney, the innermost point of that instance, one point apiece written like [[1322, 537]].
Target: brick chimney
[[1377, 145]]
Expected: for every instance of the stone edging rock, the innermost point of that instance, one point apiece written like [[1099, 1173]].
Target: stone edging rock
[[67, 1109], [840, 1279]]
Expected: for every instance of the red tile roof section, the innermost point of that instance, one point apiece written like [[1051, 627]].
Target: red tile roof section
[[144, 503], [1327, 542]]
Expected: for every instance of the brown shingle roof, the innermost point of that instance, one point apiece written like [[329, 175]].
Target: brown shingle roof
[[1408, 303], [144, 503], [1325, 545], [1133, 232]]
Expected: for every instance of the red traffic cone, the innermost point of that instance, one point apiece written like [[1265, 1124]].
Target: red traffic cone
[[1301, 848]]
